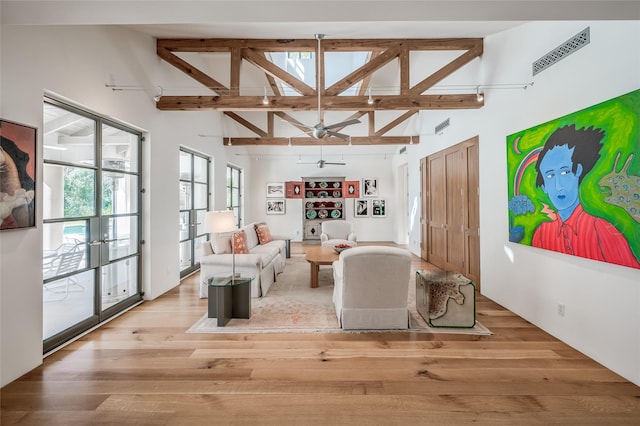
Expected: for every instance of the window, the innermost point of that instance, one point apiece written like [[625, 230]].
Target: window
[[234, 192]]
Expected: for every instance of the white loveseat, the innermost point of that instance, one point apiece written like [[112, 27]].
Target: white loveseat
[[264, 261]]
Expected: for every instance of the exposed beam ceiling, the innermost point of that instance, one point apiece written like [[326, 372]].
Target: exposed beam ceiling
[[381, 52]]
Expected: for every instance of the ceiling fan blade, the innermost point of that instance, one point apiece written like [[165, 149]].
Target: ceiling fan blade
[[343, 124], [338, 135], [335, 164]]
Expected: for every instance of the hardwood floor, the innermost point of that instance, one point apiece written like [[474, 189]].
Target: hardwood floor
[[142, 368]]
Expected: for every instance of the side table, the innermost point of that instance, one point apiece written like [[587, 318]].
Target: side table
[[445, 298], [229, 297]]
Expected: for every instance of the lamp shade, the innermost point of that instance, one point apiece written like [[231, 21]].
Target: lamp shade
[[220, 221]]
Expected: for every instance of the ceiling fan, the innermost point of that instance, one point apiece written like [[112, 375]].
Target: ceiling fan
[[321, 130], [321, 163]]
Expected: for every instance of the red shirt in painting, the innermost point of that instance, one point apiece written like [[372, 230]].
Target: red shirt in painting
[[587, 236]]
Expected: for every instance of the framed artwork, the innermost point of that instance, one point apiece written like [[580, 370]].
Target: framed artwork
[[276, 206], [17, 175], [294, 189], [351, 189], [275, 190], [361, 207], [369, 187], [378, 208], [579, 172]]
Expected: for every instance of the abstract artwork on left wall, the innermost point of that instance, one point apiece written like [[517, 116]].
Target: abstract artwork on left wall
[[574, 183], [17, 175]]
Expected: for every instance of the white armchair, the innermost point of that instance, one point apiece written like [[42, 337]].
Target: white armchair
[[371, 288], [333, 232]]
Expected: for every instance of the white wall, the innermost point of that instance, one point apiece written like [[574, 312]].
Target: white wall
[[601, 299], [359, 164], [76, 63]]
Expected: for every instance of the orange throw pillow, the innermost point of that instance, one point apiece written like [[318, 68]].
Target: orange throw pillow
[[264, 235], [240, 243]]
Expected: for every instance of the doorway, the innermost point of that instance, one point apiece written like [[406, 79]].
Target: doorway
[[91, 220]]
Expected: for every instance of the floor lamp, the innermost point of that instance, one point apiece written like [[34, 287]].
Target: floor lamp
[[223, 221]]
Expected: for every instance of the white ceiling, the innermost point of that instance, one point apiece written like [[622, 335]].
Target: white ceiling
[[303, 18]]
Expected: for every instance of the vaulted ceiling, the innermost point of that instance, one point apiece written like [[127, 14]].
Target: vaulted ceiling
[[288, 93]]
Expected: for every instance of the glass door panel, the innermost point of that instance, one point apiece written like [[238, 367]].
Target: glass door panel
[[194, 203], [119, 281], [91, 244], [119, 193], [122, 236]]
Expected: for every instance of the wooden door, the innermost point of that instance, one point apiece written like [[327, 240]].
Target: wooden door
[[450, 209], [436, 243], [472, 218], [455, 187]]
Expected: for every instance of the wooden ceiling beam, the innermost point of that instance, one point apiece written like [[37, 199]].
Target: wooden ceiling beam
[[309, 141], [310, 103], [447, 70], [364, 71], [194, 72], [246, 123], [395, 122], [310, 45], [258, 59]]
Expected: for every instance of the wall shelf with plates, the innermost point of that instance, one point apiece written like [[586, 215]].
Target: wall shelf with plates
[[323, 200]]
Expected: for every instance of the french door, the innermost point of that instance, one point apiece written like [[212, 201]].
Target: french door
[[194, 203], [91, 220]]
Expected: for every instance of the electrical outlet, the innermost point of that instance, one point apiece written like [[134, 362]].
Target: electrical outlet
[[561, 309]]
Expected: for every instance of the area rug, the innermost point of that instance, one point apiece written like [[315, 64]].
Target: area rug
[[291, 306]]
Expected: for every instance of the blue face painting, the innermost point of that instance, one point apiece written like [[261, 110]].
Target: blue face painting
[[560, 182]]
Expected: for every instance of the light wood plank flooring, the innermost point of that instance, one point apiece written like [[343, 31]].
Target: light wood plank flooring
[[142, 369]]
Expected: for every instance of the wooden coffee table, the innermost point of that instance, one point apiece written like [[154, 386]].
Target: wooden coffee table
[[316, 256]]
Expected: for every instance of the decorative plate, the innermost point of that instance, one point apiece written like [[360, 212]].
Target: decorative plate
[[311, 184], [310, 204], [337, 204], [309, 194], [337, 194], [336, 184], [335, 214], [323, 184], [311, 214], [323, 194], [322, 214]]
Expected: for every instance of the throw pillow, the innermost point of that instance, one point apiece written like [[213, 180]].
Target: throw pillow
[[264, 235], [221, 244], [240, 243]]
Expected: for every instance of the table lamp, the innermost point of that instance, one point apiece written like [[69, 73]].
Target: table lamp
[[219, 222]]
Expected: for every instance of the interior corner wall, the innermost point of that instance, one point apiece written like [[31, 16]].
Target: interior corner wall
[[601, 300]]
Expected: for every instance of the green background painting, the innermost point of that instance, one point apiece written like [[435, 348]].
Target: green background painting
[[619, 164]]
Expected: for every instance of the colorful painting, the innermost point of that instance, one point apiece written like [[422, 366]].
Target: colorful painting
[[17, 175], [574, 183]]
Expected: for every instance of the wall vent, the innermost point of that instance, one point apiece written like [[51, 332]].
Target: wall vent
[[565, 49], [402, 150], [440, 127]]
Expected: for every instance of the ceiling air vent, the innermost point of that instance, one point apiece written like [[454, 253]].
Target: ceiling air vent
[[402, 150], [440, 127], [565, 49]]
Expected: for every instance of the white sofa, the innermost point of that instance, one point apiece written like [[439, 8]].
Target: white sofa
[[371, 288], [264, 261]]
